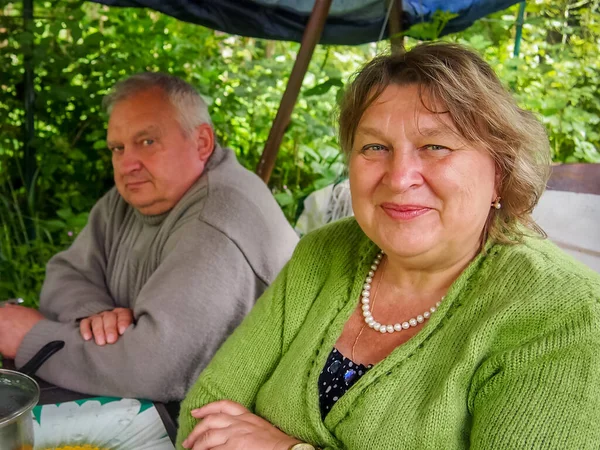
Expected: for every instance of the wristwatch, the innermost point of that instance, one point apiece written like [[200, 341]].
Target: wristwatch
[[302, 446]]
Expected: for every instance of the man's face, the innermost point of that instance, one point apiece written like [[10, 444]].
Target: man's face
[[155, 162]]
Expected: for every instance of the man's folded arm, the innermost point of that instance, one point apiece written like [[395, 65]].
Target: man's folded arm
[[75, 285], [183, 314]]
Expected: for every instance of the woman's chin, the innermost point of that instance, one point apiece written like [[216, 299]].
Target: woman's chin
[[407, 243]]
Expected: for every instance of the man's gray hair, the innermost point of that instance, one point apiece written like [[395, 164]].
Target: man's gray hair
[[190, 106]]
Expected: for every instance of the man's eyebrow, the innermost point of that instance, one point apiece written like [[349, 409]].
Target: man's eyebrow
[[152, 129], [148, 131], [111, 144]]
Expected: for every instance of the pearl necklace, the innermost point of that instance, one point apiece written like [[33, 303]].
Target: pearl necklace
[[368, 317]]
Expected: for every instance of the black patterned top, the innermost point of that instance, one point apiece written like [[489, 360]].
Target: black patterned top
[[338, 375]]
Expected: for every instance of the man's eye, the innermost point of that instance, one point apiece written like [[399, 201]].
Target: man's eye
[[147, 142], [116, 149]]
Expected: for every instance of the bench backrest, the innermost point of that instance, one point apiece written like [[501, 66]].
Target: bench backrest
[[569, 211]]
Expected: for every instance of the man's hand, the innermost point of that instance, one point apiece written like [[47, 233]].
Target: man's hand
[[15, 323], [107, 326]]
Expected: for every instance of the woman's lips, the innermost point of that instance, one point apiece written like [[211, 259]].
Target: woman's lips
[[404, 212]]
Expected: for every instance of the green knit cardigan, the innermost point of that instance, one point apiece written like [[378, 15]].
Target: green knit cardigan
[[511, 360]]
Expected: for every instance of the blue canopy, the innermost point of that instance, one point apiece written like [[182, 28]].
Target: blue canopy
[[350, 22]]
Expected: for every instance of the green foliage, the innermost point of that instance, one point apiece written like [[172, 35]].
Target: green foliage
[[556, 75], [80, 49]]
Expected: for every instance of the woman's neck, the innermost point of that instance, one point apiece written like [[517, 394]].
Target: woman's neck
[[429, 279]]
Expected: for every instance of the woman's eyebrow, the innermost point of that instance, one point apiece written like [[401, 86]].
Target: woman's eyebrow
[[372, 131], [435, 131]]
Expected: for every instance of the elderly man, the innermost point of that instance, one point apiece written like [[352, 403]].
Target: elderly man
[[169, 263]]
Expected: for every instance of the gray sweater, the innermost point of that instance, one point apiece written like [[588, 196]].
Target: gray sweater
[[189, 275]]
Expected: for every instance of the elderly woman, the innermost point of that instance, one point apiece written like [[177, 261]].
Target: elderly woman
[[438, 317]]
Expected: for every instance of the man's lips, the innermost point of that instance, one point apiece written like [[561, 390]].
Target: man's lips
[[404, 211], [135, 184]]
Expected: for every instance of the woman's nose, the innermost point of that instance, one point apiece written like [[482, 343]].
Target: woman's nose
[[404, 170]]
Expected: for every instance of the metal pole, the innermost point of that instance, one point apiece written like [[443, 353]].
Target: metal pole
[[29, 99], [310, 38], [519, 29]]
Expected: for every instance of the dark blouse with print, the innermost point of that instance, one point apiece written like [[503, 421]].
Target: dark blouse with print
[[338, 375]]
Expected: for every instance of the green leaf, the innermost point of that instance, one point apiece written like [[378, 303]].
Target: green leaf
[[284, 198], [324, 87], [64, 214]]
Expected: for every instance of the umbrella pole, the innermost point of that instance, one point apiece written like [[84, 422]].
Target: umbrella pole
[[310, 38], [395, 27]]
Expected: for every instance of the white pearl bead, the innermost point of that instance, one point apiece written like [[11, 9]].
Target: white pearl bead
[[369, 319], [398, 327], [365, 307], [369, 280], [420, 318], [413, 322], [405, 325], [365, 300], [376, 326], [433, 309], [366, 294], [390, 329], [366, 313], [372, 324], [383, 330], [371, 273], [438, 304], [367, 287], [374, 267], [426, 314]]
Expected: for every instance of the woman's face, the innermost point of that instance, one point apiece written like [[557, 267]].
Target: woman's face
[[419, 190]]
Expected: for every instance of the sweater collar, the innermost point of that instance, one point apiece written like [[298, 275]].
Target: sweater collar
[[151, 220]]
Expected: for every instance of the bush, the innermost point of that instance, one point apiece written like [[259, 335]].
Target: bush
[[81, 49]]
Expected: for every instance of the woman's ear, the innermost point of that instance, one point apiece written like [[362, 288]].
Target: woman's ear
[[205, 140]]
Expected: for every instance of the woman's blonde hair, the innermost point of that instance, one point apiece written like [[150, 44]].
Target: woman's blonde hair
[[482, 111]]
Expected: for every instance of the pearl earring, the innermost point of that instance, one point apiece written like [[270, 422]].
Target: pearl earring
[[496, 203]]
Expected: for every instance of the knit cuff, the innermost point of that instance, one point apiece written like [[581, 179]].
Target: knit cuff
[[43, 332]]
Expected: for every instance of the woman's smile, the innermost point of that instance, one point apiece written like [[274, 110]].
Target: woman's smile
[[404, 212]]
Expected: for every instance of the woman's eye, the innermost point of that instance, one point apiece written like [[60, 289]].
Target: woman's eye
[[116, 149], [373, 148], [435, 147], [147, 142]]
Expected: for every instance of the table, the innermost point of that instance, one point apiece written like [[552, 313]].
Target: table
[[50, 394]]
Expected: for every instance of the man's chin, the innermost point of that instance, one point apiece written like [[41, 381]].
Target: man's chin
[[149, 208]]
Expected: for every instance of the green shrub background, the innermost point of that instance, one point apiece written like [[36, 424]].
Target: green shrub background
[[81, 49]]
